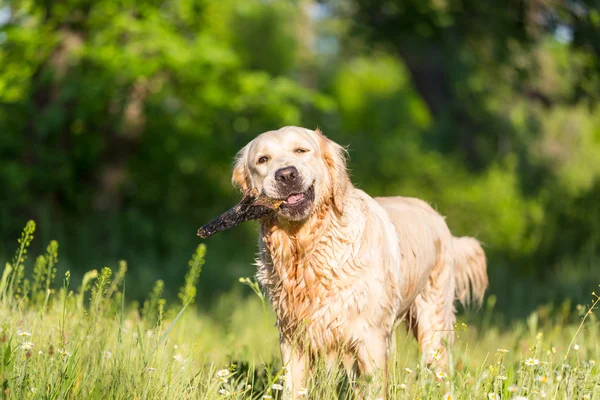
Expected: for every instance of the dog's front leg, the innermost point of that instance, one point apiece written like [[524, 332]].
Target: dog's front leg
[[295, 363], [372, 357]]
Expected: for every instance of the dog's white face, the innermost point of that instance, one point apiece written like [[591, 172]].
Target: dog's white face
[[292, 164]]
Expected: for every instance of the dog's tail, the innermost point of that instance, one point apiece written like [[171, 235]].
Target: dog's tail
[[470, 270]]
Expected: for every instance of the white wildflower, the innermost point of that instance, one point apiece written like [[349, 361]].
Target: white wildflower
[[441, 374], [64, 353], [23, 334], [26, 346], [222, 373], [531, 362]]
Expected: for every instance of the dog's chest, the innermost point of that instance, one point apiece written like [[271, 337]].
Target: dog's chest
[[315, 290], [310, 302]]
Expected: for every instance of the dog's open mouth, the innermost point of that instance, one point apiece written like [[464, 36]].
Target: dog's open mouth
[[299, 200]]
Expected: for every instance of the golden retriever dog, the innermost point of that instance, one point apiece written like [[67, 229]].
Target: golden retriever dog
[[343, 269]]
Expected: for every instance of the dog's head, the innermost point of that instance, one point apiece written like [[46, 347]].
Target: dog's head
[[299, 166]]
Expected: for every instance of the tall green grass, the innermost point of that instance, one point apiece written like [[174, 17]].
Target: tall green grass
[[87, 342]]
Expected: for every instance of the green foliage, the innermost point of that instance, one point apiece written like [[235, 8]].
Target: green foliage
[[151, 305], [124, 115], [44, 272], [12, 285], [485, 115], [119, 122], [188, 291], [100, 290]]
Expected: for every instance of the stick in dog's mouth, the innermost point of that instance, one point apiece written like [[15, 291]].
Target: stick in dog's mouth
[[252, 206]]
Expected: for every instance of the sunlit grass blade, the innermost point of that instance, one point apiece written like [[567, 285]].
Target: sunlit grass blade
[[170, 327]]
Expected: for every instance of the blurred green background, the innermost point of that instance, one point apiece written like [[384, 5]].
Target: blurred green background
[[119, 121]]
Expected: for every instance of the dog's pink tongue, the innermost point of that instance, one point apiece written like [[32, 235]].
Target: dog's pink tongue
[[295, 198]]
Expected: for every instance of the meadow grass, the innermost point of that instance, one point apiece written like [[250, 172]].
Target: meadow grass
[[87, 342]]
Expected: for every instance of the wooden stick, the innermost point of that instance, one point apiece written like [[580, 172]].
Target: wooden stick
[[252, 206]]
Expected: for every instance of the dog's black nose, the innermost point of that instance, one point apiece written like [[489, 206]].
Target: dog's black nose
[[286, 175]]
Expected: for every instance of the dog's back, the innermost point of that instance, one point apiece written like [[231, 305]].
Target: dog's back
[[425, 239]]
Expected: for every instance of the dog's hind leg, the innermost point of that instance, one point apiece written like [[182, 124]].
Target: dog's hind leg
[[432, 315]]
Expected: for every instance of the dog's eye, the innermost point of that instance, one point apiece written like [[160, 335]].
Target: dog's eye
[[263, 159], [301, 150]]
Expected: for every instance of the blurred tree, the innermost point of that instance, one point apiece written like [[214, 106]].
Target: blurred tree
[[512, 90], [462, 52], [120, 119]]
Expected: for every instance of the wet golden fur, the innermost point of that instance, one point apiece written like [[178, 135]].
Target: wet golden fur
[[345, 275]]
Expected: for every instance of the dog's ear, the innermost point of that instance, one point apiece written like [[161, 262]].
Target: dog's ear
[[334, 156], [241, 177]]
